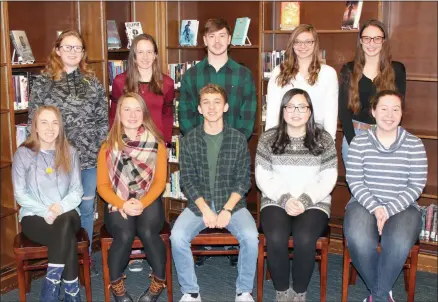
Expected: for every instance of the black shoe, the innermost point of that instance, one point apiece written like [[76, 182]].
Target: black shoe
[[153, 291], [233, 258], [201, 259], [125, 298]]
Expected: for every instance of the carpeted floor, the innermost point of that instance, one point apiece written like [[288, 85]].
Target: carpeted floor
[[217, 281]]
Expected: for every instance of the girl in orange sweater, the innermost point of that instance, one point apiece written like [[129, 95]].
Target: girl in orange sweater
[[131, 175]]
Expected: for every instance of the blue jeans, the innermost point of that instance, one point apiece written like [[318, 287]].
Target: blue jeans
[[188, 225], [345, 145], [86, 207], [379, 271]]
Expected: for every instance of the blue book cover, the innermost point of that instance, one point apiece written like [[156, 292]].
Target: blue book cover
[[240, 31], [189, 33]]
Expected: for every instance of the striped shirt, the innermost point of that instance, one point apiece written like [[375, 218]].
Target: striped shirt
[[392, 178]]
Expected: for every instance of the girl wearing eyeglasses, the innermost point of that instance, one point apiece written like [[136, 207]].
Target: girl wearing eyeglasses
[[302, 69], [68, 83], [371, 71], [144, 76], [296, 169]]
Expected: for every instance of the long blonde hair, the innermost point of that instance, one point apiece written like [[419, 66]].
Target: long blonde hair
[[115, 140], [289, 68], [62, 147], [54, 66], [385, 79]]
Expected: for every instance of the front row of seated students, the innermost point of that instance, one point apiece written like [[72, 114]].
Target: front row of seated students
[[296, 169]]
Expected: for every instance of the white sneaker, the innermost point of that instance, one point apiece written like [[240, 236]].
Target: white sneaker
[[391, 299], [244, 297], [189, 298]]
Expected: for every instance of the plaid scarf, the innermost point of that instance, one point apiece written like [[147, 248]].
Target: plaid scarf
[[132, 169]]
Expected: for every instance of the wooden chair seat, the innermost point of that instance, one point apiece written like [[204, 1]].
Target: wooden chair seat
[[106, 240], [214, 237], [409, 271], [26, 250], [321, 257]]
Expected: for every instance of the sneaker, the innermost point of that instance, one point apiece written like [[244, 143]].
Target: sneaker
[[369, 299], [282, 296], [391, 299], [244, 297], [93, 269], [135, 265], [190, 298]]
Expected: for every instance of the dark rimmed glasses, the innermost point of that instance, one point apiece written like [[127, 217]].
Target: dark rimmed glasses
[[367, 40], [301, 109], [68, 48]]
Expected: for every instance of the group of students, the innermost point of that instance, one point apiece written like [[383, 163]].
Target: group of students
[[70, 152]]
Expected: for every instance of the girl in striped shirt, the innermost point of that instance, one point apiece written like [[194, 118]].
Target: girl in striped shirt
[[386, 173]]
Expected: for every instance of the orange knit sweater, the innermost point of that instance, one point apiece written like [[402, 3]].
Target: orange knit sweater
[[105, 188]]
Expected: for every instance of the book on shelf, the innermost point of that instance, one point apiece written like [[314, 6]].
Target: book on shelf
[[351, 17], [173, 189], [322, 56], [113, 38], [264, 105], [22, 84], [429, 226], [133, 29], [240, 33], [116, 67], [289, 15], [175, 112], [189, 33], [173, 150], [177, 70], [270, 60], [22, 48], [20, 133]]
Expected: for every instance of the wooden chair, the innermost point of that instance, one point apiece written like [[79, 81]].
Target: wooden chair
[[106, 240], [322, 245], [26, 250], [409, 270]]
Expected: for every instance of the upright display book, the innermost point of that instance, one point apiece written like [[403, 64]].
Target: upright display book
[[290, 15], [189, 33], [240, 33], [23, 51], [133, 29], [353, 10], [113, 35]]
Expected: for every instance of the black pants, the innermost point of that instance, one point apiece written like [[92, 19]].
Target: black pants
[[147, 227], [59, 237], [305, 228]]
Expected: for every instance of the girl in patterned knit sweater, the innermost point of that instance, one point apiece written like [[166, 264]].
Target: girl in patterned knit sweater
[[386, 173], [296, 169]]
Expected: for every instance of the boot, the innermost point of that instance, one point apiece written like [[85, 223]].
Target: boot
[[71, 298], [120, 294], [72, 293], [154, 290], [50, 291]]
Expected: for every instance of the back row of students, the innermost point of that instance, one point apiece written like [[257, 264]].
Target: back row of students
[[217, 112]]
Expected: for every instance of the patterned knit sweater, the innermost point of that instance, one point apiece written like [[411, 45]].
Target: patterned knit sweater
[[391, 177], [84, 108], [296, 173]]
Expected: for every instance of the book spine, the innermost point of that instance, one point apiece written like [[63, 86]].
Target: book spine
[[429, 218], [423, 222], [434, 224]]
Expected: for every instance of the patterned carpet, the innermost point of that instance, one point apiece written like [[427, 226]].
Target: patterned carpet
[[217, 281]]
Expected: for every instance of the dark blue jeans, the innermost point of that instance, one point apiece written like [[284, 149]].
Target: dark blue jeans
[[379, 271]]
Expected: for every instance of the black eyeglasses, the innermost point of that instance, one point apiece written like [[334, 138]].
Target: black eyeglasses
[[301, 109], [307, 43], [68, 48], [367, 40]]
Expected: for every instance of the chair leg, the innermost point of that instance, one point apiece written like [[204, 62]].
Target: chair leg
[[168, 270], [268, 274], [413, 274], [406, 273], [106, 277], [21, 276], [353, 276], [345, 274], [28, 277], [323, 272], [86, 270], [81, 274], [260, 268]]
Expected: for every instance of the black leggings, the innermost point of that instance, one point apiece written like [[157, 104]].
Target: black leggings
[[59, 237], [305, 228], [147, 227]]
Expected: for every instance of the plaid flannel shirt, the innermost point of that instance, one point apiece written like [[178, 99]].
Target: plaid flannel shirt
[[232, 173], [237, 81]]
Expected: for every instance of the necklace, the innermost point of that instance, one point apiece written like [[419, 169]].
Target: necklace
[[49, 169]]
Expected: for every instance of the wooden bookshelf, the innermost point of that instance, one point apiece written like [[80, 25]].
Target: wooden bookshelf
[[23, 66]]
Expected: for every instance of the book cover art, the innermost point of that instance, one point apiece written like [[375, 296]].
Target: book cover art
[[353, 10], [189, 33], [290, 15], [22, 47], [133, 29], [113, 38], [240, 31]]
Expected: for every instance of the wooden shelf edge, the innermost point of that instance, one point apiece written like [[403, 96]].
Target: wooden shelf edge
[[421, 79], [319, 31], [120, 50], [177, 199], [5, 211], [20, 111], [18, 66]]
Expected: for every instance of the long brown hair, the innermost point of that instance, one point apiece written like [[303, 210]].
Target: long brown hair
[[289, 68], [54, 66], [385, 79], [133, 75], [62, 147], [115, 135]]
